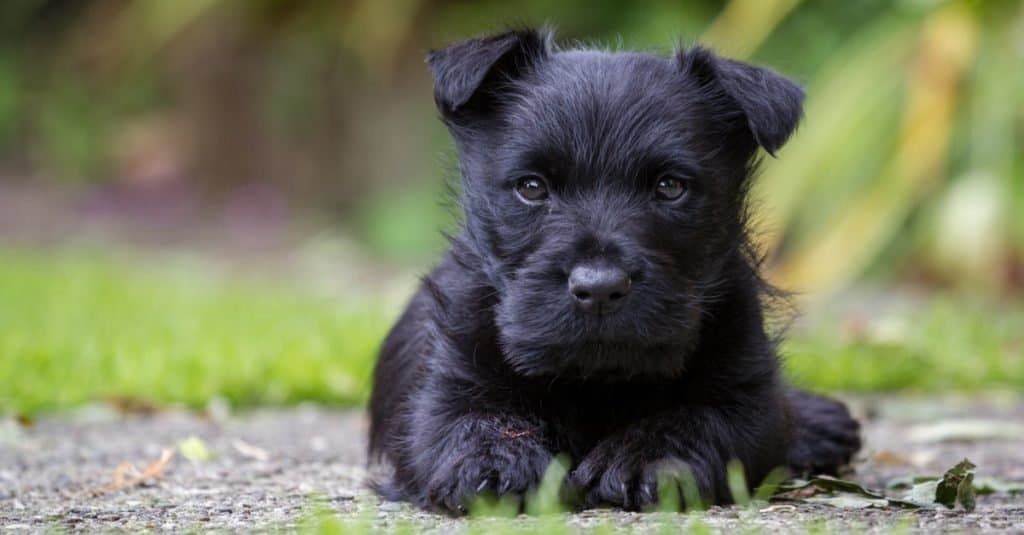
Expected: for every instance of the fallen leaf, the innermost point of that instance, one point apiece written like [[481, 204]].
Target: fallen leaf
[[250, 451], [130, 405], [848, 501], [920, 494], [956, 486], [890, 458], [991, 485], [127, 475], [965, 493], [194, 449], [820, 484], [778, 508], [982, 485]]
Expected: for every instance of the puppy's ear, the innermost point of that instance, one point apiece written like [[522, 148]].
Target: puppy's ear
[[469, 73], [771, 103]]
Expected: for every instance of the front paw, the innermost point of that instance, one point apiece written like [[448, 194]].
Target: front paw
[[826, 436], [626, 473], [503, 466]]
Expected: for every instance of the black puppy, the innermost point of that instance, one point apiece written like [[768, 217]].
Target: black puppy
[[601, 299]]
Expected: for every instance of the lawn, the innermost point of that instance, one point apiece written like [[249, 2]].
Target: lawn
[[79, 326], [935, 345]]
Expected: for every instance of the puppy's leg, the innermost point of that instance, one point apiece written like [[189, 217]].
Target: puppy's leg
[[463, 445], [826, 436], [623, 469]]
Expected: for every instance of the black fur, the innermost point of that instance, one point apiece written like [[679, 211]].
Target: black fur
[[492, 370]]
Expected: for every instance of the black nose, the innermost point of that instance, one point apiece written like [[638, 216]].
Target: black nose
[[599, 289]]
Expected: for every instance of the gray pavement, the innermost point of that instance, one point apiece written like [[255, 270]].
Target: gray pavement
[[271, 469]]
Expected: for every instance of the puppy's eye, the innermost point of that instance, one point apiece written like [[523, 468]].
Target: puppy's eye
[[532, 188], [670, 188]]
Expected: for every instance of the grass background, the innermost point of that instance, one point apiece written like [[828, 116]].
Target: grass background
[[82, 326], [79, 326]]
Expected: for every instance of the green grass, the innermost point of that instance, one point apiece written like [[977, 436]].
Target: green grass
[[545, 513], [943, 344], [78, 327]]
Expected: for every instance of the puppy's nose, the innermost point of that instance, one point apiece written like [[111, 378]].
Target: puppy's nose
[[599, 289]]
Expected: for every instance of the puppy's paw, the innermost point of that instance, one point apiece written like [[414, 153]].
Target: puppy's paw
[[624, 473], [506, 466], [826, 436]]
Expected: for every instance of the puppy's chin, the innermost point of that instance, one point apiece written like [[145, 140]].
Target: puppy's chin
[[598, 361], [650, 337]]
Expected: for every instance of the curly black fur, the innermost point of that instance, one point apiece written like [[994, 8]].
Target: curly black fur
[[492, 370]]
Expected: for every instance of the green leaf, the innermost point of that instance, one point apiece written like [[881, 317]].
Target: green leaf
[[194, 449], [848, 501], [956, 486], [951, 489], [965, 492], [991, 485], [921, 494], [828, 484]]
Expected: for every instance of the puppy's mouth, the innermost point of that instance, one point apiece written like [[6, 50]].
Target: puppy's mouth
[[592, 359], [645, 331]]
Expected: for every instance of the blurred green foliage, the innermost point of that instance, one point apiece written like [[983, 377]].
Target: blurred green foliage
[[908, 165], [907, 169]]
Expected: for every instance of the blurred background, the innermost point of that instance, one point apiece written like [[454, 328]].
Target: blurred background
[[227, 202]]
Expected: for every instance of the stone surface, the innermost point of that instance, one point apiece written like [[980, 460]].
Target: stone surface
[[274, 469]]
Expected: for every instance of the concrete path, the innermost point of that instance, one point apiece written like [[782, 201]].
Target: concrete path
[[98, 470]]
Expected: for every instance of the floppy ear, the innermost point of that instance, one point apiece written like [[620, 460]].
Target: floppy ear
[[469, 72], [771, 103]]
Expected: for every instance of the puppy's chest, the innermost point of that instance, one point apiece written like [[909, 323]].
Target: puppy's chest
[[578, 417]]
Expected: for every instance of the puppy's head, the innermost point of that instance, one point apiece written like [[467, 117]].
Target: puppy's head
[[604, 192]]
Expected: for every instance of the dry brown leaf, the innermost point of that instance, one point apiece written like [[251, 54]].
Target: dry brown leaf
[[127, 475], [890, 458], [248, 450], [130, 405]]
